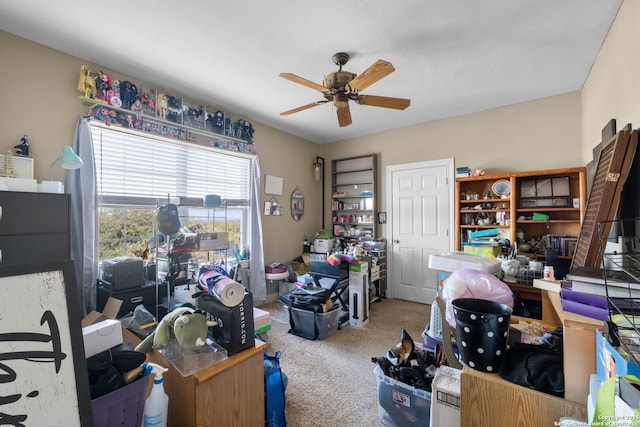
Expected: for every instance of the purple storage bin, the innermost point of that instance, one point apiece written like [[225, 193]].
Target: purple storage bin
[[430, 343], [122, 407]]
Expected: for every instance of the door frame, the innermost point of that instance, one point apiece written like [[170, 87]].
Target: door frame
[[448, 163]]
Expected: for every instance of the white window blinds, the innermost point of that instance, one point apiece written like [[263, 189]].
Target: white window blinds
[[134, 166]]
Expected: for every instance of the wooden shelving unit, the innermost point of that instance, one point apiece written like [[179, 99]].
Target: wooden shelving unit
[[565, 220]]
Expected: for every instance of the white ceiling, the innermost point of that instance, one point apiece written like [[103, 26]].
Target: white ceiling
[[451, 57]]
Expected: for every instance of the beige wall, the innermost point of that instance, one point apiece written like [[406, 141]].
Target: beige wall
[[38, 87], [612, 90], [39, 98], [541, 134]]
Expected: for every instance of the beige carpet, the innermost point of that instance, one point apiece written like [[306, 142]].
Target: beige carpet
[[331, 381]]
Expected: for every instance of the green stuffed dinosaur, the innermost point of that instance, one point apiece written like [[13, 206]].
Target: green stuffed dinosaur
[[188, 326]]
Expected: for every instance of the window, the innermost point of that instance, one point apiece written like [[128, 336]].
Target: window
[[136, 173]]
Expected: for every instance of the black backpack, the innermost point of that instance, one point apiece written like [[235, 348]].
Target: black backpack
[[306, 301], [168, 220]]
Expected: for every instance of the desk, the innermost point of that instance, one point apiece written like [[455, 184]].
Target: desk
[[229, 393], [486, 400], [579, 340], [526, 291]]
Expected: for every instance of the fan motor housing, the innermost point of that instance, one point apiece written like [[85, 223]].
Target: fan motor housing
[[338, 80]]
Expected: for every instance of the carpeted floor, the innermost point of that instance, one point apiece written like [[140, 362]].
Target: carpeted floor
[[331, 381]]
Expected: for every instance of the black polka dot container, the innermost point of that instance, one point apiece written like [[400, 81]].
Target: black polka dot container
[[482, 328]]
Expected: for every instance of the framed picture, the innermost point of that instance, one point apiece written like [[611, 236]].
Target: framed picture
[[382, 217], [42, 359], [273, 185]]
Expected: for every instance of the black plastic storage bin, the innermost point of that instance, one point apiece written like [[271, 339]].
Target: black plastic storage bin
[[131, 298], [323, 268]]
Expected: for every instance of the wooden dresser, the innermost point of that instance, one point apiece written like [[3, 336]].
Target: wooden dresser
[[229, 393]]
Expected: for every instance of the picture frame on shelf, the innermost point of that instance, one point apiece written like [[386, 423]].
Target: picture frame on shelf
[[148, 99], [168, 106], [193, 115]]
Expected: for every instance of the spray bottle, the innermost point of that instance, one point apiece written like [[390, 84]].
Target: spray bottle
[[156, 407]]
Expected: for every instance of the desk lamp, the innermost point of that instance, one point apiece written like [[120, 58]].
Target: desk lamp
[[69, 160]]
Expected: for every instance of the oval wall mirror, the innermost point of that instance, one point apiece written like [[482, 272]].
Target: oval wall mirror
[[297, 204]]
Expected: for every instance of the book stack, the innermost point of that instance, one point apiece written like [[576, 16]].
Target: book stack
[[261, 321], [586, 292], [565, 245], [463, 172]]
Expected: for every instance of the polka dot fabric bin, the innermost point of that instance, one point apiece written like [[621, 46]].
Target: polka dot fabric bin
[[482, 327]]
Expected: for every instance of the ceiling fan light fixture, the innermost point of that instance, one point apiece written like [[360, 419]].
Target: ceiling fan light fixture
[[338, 80], [341, 86], [340, 100]]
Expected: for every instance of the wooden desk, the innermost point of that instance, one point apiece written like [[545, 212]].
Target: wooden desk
[[229, 393], [526, 291], [486, 400], [579, 340]]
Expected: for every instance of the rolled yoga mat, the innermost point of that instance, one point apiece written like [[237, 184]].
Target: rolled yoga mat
[[228, 291]]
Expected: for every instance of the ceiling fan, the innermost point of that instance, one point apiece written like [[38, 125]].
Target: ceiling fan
[[341, 86]]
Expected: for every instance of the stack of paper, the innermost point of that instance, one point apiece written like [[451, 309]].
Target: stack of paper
[[261, 321]]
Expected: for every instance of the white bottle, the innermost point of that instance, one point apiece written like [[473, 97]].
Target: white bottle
[[548, 273], [156, 408]]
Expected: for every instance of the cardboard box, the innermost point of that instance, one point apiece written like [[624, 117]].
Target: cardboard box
[[212, 241], [610, 362], [18, 184], [445, 397], [375, 273], [110, 311], [101, 336], [359, 294], [100, 330]]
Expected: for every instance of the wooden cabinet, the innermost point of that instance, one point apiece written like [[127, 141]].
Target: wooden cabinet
[[559, 194], [34, 228], [354, 192], [486, 400], [579, 341], [229, 393]]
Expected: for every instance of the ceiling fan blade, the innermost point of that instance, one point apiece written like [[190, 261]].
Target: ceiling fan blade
[[344, 116], [383, 101], [302, 81], [302, 108], [371, 75]]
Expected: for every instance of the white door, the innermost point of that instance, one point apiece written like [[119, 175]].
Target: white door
[[421, 224]]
